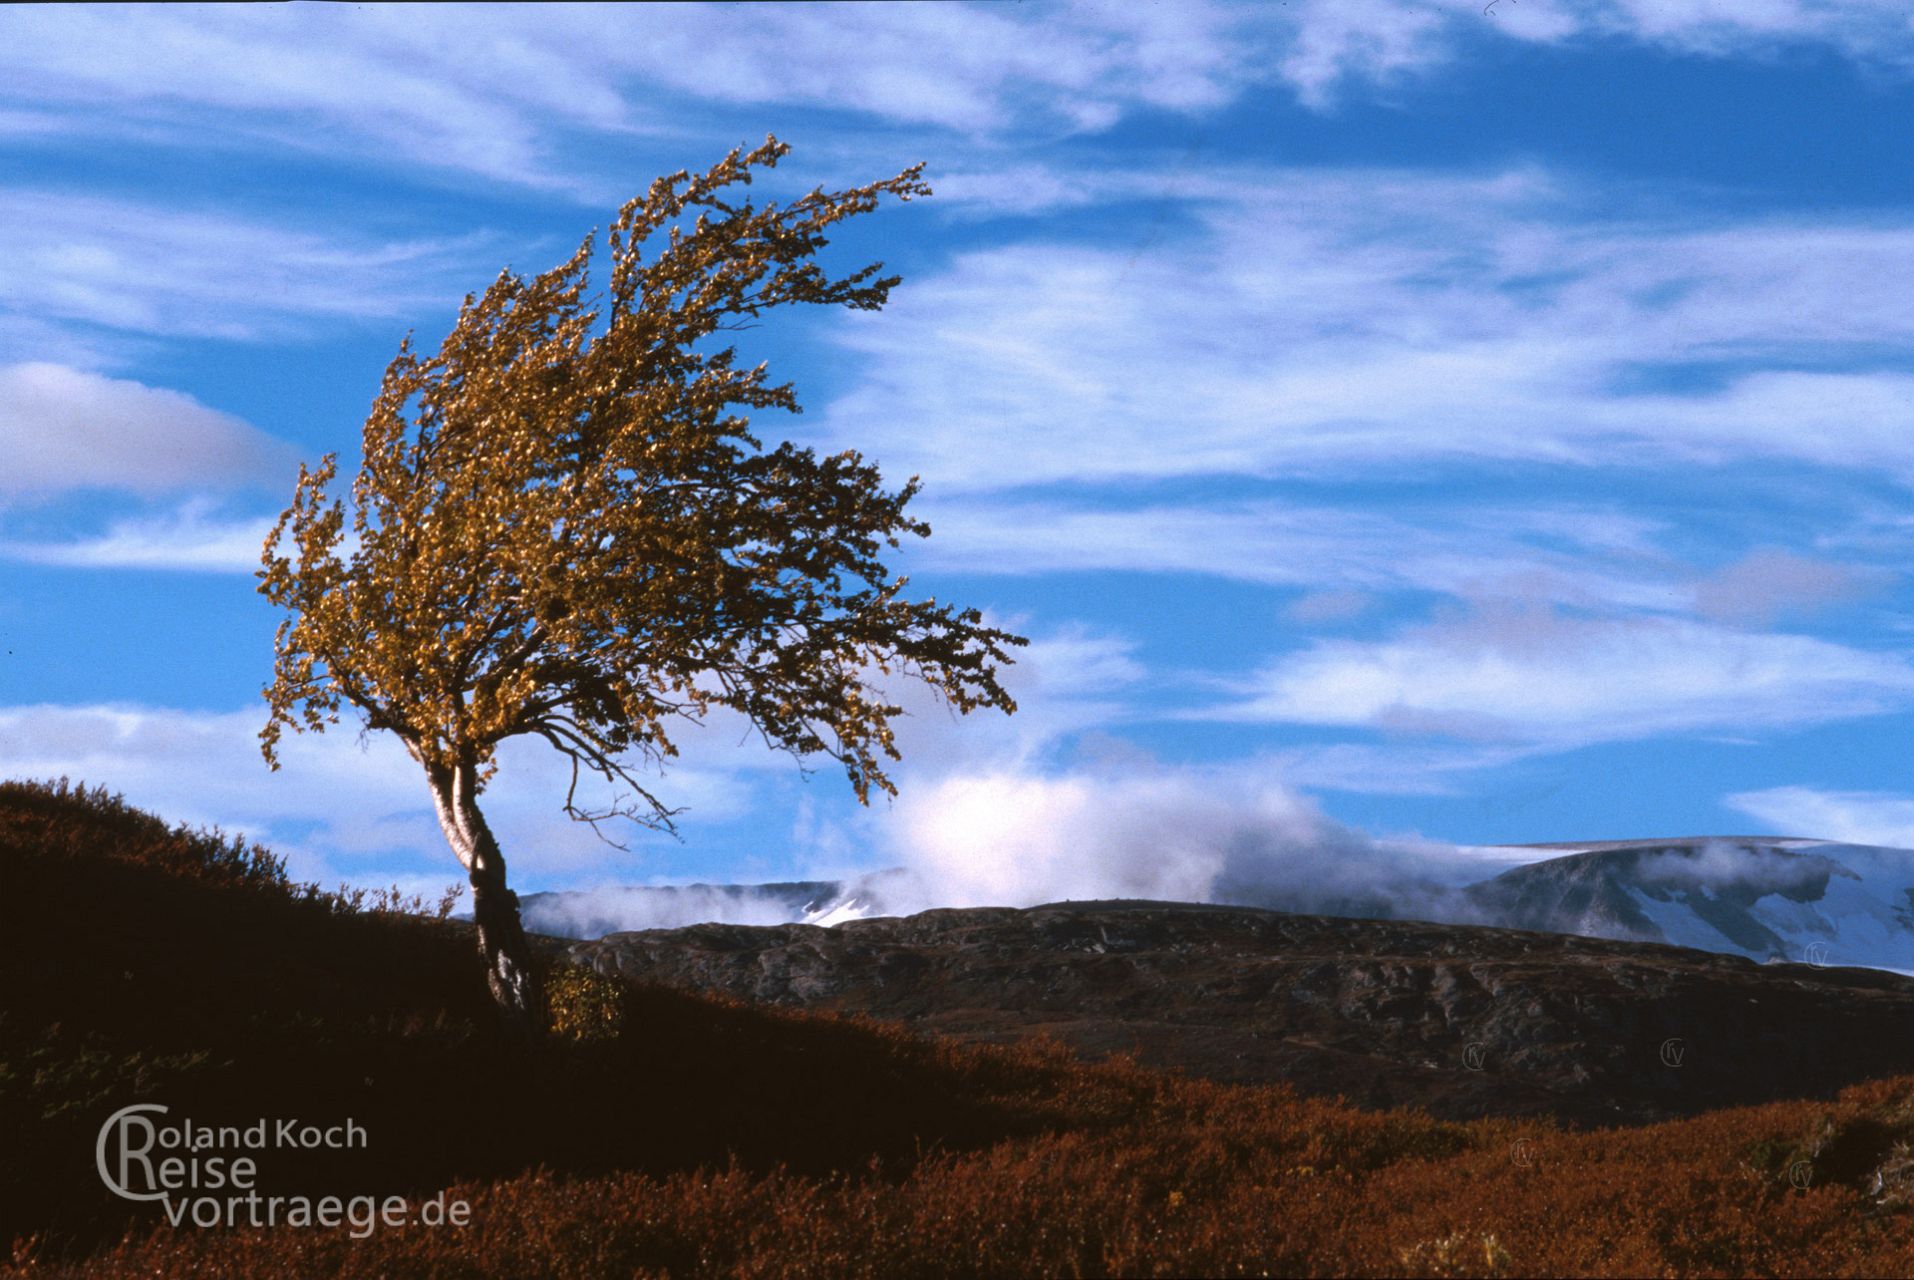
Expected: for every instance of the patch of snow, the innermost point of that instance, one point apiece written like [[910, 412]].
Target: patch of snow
[[836, 913], [1681, 926], [1865, 919]]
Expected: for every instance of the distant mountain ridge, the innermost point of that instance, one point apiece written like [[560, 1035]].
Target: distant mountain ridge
[[592, 913], [1764, 897], [1666, 842]]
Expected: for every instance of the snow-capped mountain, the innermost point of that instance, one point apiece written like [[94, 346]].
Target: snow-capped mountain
[[1767, 898], [593, 913], [1764, 897]]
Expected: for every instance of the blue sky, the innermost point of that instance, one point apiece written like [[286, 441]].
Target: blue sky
[[1488, 424]]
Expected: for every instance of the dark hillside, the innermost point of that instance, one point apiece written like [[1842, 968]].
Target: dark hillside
[[140, 962]]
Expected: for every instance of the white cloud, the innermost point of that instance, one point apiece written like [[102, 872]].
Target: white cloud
[[1867, 30], [504, 91], [1129, 828], [339, 807], [1393, 768], [495, 91], [140, 267], [1379, 42], [1353, 323], [191, 539], [1575, 556], [353, 806], [1064, 683], [1339, 47], [1539, 678], [311, 76], [1852, 817], [63, 428], [1020, 837], [1227, 833]]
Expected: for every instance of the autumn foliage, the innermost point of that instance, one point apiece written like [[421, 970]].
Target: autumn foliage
[[565, 524]]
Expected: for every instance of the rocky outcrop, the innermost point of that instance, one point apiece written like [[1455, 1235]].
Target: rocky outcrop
[[1464, 1021]]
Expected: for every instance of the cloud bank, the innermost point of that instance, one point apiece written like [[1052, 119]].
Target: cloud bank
[[1223, 834], [1006, 838]]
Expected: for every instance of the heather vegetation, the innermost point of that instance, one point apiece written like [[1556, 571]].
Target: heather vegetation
[[667, 1134]]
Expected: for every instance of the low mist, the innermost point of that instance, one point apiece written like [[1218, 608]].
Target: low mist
[[1750, 871], [1017, 840]]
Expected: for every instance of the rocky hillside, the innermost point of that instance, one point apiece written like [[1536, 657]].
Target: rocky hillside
[[1462, 1020]]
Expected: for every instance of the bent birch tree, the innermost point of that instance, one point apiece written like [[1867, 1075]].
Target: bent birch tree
[[562, 527]]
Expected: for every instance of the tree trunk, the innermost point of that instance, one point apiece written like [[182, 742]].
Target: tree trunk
[[502, 945]]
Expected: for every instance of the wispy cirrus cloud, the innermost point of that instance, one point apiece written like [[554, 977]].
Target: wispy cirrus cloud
[[1321, 341], [1852, 817], [1574, 556], [192, 539], [140, 267], [1331, 50], [1538, 678], [1340, 323], [1869, 31], [496, 92]]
